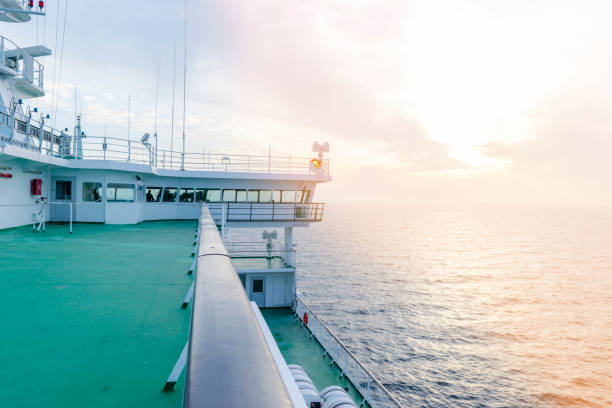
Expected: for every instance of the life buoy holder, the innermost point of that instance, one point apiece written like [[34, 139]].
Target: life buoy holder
[[315, 163], [305, 318]]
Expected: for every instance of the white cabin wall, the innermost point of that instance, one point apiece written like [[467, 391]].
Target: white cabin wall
[[278, 287], [17, 191], [17, 205]]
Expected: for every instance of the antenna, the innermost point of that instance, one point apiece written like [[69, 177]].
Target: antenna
[[75, 103], [184, 91], [129, 113], [156, 98], [173, 89]]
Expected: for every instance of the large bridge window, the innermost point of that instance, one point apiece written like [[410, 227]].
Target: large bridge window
[[241, 196], [200, 195], [265, 196], [276, 196], [229, 196], [292, 196], [153, 194], [213, 196], [186, 195], [92, 192], [169, 195], [119, 192], [253, 196]]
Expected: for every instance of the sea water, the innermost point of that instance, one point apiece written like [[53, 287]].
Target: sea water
[[468, 308]]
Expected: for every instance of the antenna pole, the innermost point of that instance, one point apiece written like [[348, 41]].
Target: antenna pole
[[184, 91], [156, 98], [173, 89], [129, 113]]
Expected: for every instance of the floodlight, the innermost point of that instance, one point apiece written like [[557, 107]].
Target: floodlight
[[320, 148], [269, 235]]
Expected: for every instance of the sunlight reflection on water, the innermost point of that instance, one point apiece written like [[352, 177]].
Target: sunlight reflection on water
[[468, 309]]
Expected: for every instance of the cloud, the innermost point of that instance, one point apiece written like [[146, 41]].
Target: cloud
[[569, 150], [293, 60]]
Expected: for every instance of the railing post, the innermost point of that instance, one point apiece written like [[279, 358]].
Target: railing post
[[129, 150]]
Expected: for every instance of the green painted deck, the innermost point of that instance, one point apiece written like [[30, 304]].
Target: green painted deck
[[298, 348], [93, 319]]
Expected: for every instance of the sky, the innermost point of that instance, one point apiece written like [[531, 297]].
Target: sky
[[431, 103]]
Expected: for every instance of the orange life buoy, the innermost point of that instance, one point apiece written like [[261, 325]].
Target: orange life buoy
[[305, 318]]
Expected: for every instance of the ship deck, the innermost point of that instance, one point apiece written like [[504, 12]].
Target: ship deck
[[94, 318], [297, 347]]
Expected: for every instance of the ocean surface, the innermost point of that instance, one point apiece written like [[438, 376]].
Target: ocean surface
[[468, 308]]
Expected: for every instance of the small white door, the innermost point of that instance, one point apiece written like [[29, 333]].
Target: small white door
[[277, 286], [258, 294]]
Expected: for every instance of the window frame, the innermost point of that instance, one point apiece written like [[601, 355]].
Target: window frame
[[223, 200], [196, 191], [214, 190], [265, 191], [248, 198], [159, 195], [62, 190], [176, 190], [100, 192], [180, 193], [116, 186]]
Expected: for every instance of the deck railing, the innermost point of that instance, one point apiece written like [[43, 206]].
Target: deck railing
[[61, 144], [20, 63], [258, 250], [370, 388], [291, 212]]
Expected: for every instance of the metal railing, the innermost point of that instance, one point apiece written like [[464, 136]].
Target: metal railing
[[132, 151], [108, 148], [290, 212], [370, 388], [62, 144], [245, 251], [22, 64], [52, 143]]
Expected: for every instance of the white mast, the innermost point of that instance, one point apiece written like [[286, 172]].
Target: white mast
[[184, 91], [129, 113], [173, 89], [156, 98]]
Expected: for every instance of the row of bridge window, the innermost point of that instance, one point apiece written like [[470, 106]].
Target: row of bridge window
[[117, 192]]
